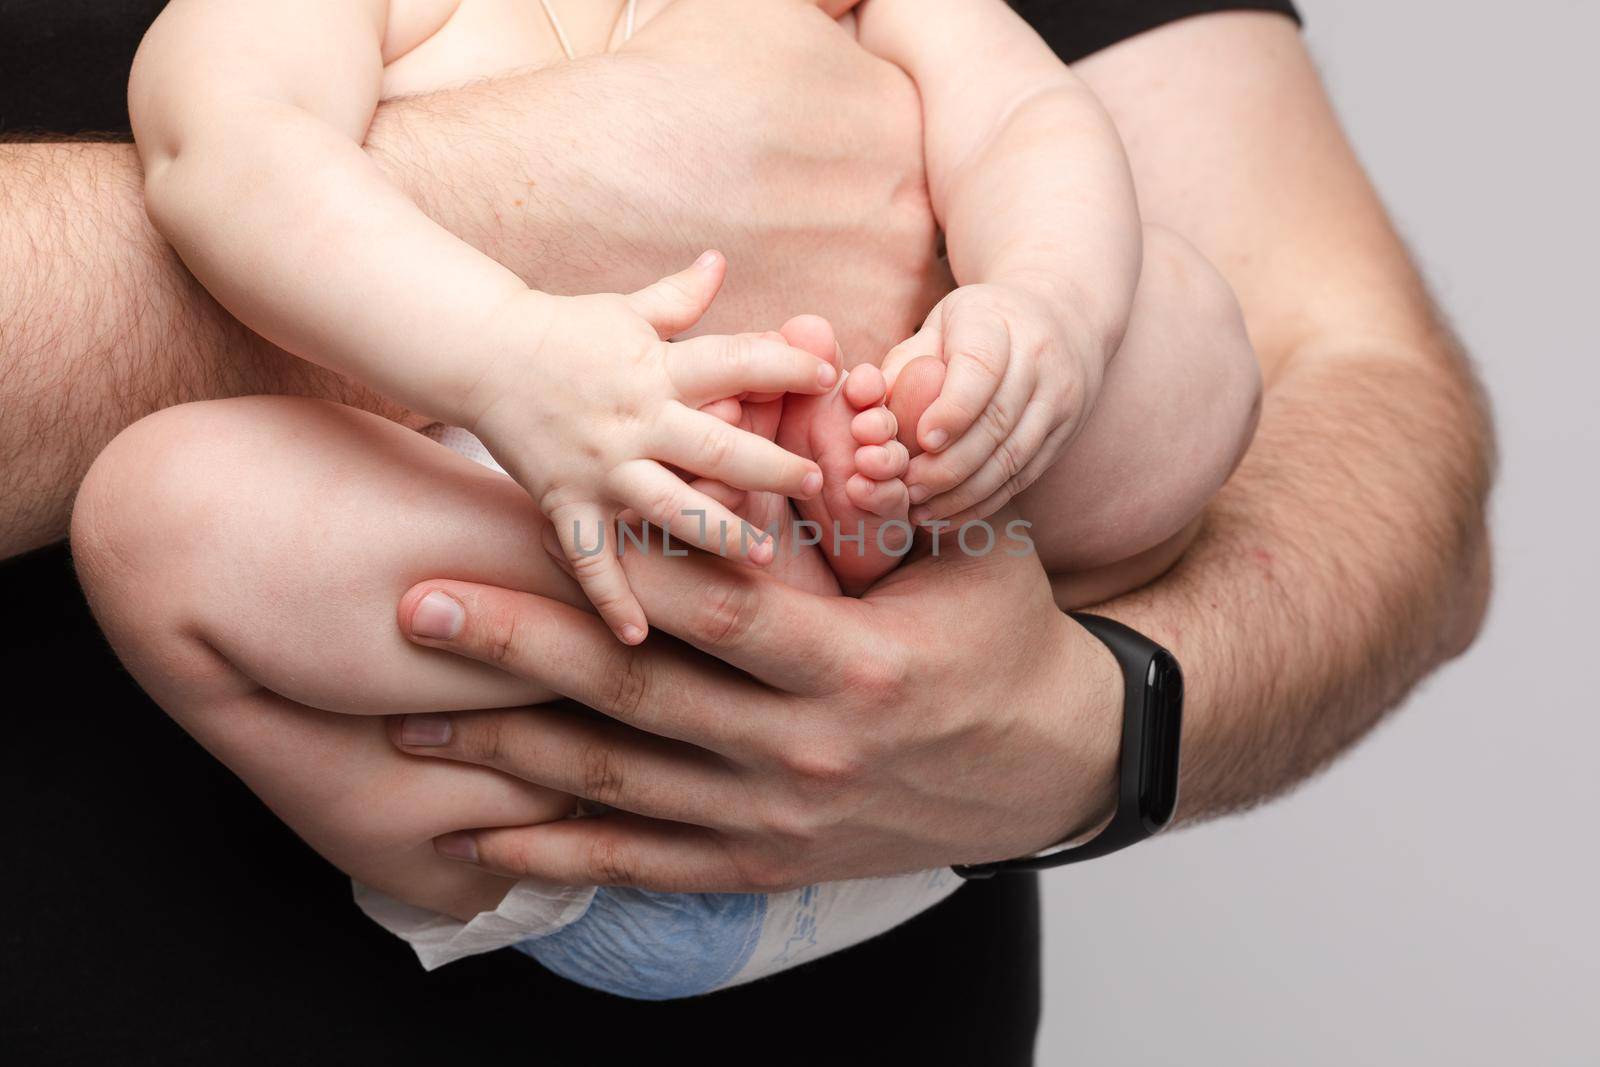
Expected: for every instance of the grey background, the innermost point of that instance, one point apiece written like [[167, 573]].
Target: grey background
[[1433, 898]]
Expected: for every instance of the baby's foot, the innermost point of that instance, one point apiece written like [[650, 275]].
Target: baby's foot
[[850, 434]]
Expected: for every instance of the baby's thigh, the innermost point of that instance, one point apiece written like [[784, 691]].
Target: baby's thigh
[[278, 535], [246, 558]]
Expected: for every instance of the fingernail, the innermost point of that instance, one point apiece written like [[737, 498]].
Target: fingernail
[[631, 634], [457, 847], [936, 440], [920, 515], [919, 493], [706, 259], [812, 484], [761, 554], [438, 617], [827, 375], [425, 731]]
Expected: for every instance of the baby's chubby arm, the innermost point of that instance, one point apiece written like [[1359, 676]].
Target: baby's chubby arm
[[249, 117], [1030, 183]]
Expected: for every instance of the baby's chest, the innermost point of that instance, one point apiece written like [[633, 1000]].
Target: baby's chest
[[463, 40]]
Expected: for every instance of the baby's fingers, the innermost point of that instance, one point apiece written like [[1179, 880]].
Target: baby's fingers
[[587, 534], [703, 369], [977, 348], [1003, 475], [664, 501], [703, 445], [678, 301]]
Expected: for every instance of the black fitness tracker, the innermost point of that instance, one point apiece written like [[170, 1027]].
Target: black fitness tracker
[[1147, 768]]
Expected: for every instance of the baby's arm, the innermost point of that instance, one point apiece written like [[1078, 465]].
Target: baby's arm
[[249, 116], [1029, 180]]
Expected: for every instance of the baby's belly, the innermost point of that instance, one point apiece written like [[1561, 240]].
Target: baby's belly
[[772, 279], [488, 37]]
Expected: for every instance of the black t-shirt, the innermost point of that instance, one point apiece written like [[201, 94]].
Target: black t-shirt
[[155, 912]]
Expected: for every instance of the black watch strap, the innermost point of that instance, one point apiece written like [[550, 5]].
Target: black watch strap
[[1147, 767]]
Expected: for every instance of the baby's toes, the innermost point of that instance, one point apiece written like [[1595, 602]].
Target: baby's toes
[[887, 499], [883, 462], [865, 387], [875, 426]]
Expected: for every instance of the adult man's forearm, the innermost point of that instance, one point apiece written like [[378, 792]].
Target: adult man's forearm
[[1346, 559], [100, 325], [1348, 555]]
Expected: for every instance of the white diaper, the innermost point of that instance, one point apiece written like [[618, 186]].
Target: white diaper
[[660, 946]]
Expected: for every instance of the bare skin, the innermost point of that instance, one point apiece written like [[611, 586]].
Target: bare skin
[[1298, 618], [228, 658]]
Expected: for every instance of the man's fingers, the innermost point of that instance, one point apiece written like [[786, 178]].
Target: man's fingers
[[570, 749], [977, 349], [661, 688], [676, 302], [703, 445], [662, 499], [796, 641], [703, 369], [588, 540], [613, 849]]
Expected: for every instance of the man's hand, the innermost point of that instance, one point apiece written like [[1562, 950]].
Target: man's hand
[[952, 715], [1345, 560]]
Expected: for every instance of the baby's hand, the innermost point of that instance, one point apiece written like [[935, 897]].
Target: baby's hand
[[594, 412], [1006, 389]]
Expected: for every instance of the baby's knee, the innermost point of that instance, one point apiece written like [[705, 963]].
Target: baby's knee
[[1214, 358], [166, 517], [141, 507], [1186, 283]]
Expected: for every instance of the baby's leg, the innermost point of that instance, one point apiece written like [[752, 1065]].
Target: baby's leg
[[1175, 415], [860, 516], [246, 559]]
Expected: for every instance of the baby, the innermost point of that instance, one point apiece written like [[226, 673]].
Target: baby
[[250, 115]]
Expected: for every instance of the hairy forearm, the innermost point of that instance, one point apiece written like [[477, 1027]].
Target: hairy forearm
[[1347, 558], [557, 174], [100, 325]]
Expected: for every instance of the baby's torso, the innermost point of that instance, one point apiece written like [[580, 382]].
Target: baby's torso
[[434, 44]]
